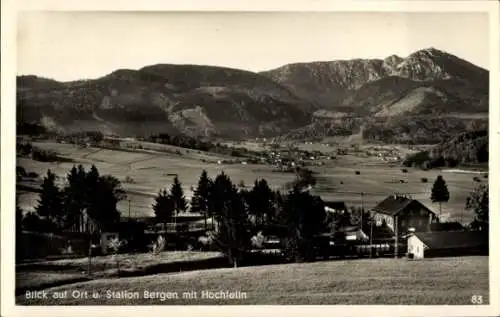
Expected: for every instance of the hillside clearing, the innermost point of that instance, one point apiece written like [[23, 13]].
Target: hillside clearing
[[436, 281]]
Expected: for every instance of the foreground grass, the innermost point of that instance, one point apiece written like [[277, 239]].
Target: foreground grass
[[45, 274], [137, 259], [39, 280], [379, 281]]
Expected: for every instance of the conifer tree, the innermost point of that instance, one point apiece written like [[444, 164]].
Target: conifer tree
[[50, 204], [177, 194], [199, 201], [75, 197], [163, 207], [233, 235], [260, 201], [440, 193]]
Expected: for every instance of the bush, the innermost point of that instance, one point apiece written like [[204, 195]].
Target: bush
[[404, 170], [33, 175], [424, 179], [485, 175], [477, 179], [44, 155], [20, 171], [24, 149], [357, 172], [129, 180]]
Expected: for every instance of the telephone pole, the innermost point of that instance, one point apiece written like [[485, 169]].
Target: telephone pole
[[371, 234], [362, 208], [396, 238]]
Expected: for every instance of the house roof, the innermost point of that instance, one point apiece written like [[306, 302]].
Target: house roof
[[453, 239], [392, 205], [338, 205]]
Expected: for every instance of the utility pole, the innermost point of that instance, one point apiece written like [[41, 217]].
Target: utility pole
[[362, 208], [371, 234], [89, 232], [129, 210], [396, 238]]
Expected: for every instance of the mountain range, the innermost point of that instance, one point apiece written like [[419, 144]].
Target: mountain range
[[230, 103]]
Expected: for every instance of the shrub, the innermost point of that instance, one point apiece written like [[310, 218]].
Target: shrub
[[485, 175], [424, 179], [404, 170], [357, 172], [477, 179], [33, 175], [45, 155], [129, 180], [20, 171]]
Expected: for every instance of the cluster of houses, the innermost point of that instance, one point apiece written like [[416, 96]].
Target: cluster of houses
[[405, 223]]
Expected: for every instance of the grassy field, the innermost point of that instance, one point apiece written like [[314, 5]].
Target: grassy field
[[440, 281], [35, 275], [150, 172], [336, 179], [140, 260]]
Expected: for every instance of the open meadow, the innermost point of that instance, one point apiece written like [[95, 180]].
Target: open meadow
[[151, 170], [438, 281]]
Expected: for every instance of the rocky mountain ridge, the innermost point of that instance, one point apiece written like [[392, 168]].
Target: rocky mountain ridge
[[229, 103]]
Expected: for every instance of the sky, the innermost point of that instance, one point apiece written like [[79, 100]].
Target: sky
[[83, 45]]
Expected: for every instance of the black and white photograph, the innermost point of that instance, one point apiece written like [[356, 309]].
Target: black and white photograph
[[252, 158]]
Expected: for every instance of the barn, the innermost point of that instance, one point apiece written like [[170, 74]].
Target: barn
[[406, 212], [447, 243]]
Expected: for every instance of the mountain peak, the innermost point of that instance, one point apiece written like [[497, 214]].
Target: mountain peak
[[429, 52]]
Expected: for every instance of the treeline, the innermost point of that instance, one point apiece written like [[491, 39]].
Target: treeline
[[86, 194], [394, 130], [420, 129], [325, 127], [198, 144], [31, 129], [82, 136], [237, 213], [26, 149], [465, 148]]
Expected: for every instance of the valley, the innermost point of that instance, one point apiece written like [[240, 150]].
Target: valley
[[143, 172]]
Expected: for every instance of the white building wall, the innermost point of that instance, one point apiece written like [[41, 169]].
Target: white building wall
[[416, 247]]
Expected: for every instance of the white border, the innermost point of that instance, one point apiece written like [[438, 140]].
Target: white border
[[8, 58]]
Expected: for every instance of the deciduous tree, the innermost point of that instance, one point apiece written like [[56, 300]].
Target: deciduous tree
[[478, 201]]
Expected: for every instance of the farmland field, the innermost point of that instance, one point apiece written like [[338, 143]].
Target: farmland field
[[337, 180], [438, 281]]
